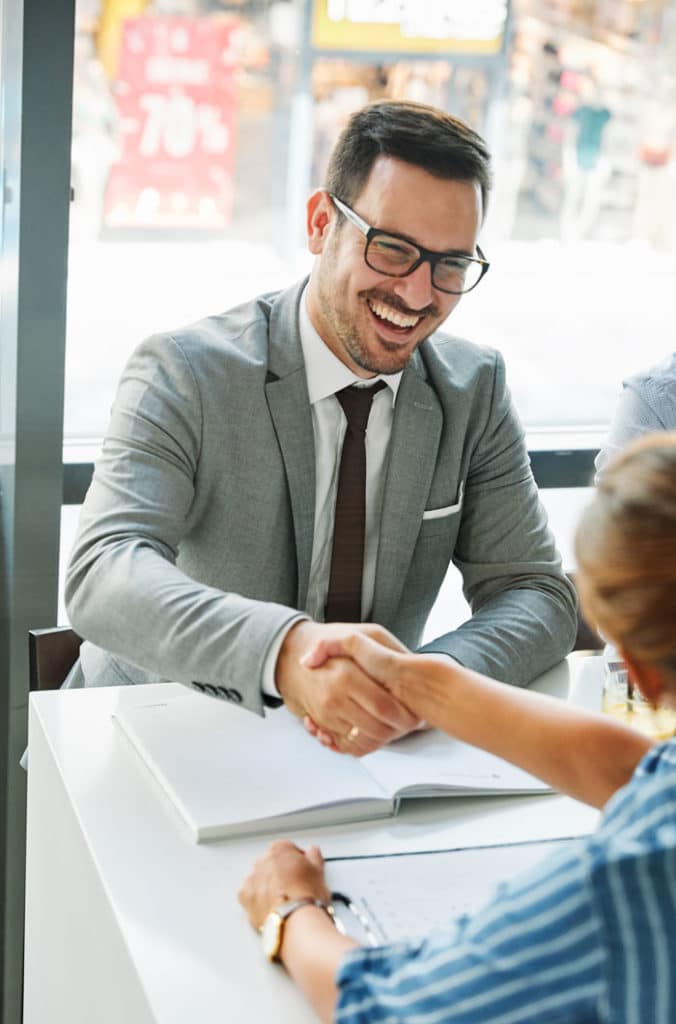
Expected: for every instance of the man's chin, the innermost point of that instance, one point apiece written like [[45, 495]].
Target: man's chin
[[385, 363], [387, 356]]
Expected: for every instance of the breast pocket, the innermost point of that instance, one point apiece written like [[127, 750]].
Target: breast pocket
[[442, 521], [447, 510]]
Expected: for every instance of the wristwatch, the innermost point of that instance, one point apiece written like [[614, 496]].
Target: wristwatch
[[272, 929]]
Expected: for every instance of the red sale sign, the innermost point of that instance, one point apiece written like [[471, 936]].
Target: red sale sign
[[176, 104]]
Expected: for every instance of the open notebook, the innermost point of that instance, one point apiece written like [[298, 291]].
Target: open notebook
[[229, 772]]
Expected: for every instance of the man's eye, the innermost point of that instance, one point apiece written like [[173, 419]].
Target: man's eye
[[391, 249], [457, 264]]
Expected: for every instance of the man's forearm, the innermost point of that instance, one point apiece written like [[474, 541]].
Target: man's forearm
[[131, 601], [516, 635]]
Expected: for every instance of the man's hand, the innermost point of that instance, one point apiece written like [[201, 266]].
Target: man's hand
[[341, 704], [394, 668], [283, 873]]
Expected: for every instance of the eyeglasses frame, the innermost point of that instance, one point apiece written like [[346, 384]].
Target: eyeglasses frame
[[426, 255]]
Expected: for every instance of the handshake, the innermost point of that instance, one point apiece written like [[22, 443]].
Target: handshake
[[348, 682]]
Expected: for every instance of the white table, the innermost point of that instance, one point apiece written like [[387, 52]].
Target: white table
[[128, 920]]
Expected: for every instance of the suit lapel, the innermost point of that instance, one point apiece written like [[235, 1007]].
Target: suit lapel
[[414, 445], [289, 405]]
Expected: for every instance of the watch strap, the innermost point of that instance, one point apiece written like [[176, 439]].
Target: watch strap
[[283, 912], [286, 909]]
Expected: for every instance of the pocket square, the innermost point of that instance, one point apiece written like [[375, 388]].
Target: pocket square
[[447, 510]]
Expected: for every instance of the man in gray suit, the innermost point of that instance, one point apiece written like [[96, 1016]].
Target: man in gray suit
[[204, 551]]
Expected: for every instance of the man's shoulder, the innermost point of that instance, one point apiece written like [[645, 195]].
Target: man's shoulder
[[240, 333], [240, 329], [459, 361], [452, 348]]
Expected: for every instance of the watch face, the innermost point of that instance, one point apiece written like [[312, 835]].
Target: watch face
[[271, 935]]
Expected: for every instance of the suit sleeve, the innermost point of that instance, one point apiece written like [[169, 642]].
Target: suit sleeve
[[524, 608], [124, 591]]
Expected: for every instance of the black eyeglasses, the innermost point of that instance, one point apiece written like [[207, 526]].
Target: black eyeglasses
[[454, 273]]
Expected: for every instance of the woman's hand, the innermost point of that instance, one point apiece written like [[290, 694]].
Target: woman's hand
[[312, 947], [283, 873], [382, 657], [382, 672]]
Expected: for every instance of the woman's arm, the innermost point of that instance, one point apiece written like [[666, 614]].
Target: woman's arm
[[453, 975], [588, 756], [311, 952], [311, 948]]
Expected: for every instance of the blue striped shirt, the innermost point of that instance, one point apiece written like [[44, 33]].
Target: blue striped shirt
[[589, 935]]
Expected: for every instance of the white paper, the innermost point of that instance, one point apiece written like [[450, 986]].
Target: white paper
[[409, 895]]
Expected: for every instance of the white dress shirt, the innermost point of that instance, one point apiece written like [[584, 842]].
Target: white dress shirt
[[326, 375]]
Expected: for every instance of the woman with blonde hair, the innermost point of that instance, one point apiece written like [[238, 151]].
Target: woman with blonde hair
[[590, 934]]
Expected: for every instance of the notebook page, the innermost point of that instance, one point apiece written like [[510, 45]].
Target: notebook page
[[222, 765], [431, 761]]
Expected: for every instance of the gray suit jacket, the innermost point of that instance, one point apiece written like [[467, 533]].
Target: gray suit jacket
[[195, 538]]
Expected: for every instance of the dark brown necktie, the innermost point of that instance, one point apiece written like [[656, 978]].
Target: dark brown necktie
[[343, 603]]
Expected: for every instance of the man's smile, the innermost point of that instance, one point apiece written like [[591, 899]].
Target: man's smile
[[393, 318], [386, 312]]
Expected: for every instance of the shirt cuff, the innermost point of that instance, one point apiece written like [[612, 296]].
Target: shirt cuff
[[268, 685]]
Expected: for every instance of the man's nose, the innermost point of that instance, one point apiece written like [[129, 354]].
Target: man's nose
[[416, 289]]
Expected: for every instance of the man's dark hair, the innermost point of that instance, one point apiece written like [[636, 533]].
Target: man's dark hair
[[441, 144]]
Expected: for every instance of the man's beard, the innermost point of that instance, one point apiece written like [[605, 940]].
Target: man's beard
[[392, 357]]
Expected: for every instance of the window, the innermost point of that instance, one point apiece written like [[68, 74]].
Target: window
[[193, 149], [199, 126]]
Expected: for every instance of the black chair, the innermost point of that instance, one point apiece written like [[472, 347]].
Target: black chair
[[51, 655]]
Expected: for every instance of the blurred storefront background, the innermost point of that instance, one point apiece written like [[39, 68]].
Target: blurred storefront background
[[199, 126]]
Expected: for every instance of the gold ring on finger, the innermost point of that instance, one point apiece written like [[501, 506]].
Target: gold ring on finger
[[353, 734]]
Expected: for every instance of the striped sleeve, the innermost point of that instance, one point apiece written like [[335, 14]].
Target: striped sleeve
[[633, 884], [532, 954]]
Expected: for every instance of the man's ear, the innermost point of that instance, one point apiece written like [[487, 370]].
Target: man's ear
[[320, 213], [646, 677]]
